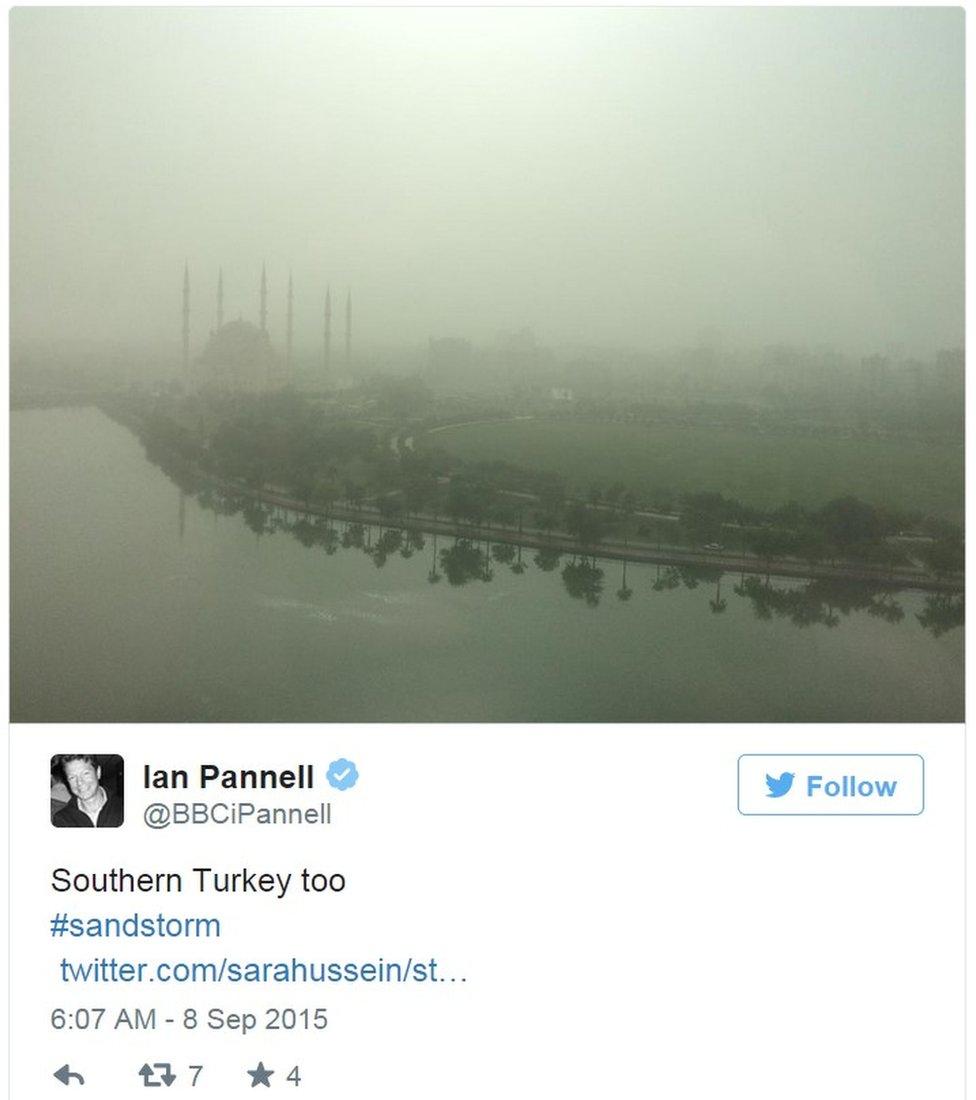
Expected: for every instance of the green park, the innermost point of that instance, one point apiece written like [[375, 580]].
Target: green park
[[764, 471]]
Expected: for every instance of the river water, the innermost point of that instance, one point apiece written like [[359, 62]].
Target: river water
[[132, 600]]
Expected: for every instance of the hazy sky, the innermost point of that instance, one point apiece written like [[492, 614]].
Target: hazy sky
[[604, 176]]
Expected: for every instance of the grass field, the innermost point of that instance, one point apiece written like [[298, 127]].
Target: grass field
[[763, 471]]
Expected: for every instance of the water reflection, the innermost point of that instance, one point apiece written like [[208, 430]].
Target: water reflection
[[624, 592], [466, 561], [824, 602], [718, 605], [942, 612], [583, 580], [547, 559], [820, 601]]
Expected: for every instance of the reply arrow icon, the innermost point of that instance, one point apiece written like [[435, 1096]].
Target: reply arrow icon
[[64, 1075]]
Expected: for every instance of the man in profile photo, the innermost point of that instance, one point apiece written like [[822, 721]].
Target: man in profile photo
[[93, 803]]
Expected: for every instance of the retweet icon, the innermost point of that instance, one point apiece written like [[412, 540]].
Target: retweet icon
[[781, 786]]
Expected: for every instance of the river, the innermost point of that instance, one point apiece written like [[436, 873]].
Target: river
[[133, 600]]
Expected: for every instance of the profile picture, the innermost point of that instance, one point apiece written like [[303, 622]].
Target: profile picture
[[87, 791]]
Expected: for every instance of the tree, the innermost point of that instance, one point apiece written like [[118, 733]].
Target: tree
[[325, 493], [551, 491], [811, 544], [628, 505], [469, 501], [848, 522], [946, 556], [701, 529], [390, 506], [418, 492], [585, 524], [355, 494], [303, 486], [545, 521], [768, 544]]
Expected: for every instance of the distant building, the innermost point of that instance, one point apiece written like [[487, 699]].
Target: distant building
[[561, 393]]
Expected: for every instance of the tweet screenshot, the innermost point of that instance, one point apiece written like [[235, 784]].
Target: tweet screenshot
[[358, 912], [487, 553]]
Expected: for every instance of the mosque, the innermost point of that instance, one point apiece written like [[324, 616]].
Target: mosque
[[239, 355]]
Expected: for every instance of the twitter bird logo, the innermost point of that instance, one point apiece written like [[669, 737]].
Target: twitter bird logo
[[781, 786]]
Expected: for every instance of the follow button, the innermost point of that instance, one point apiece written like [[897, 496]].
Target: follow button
[[839, 785]]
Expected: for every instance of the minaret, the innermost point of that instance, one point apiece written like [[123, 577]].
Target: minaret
[[288, 328], [264, 300], [348, 327], [328, 329], [186, 321], [220, 299]]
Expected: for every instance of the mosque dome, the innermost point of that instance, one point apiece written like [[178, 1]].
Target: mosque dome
[[238, 356]]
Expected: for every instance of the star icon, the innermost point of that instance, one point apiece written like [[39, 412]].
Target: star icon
[[260, 1076]]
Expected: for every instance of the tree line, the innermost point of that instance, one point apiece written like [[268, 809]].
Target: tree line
[[286, 443]]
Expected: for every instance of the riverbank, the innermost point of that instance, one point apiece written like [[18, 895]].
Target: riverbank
[[654, 553], [614, 551]]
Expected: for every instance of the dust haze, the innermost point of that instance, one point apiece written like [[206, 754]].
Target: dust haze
[[600, 179]]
